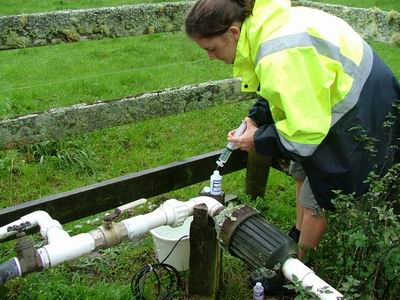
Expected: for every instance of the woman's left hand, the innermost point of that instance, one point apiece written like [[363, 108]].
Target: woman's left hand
[[246, 140]]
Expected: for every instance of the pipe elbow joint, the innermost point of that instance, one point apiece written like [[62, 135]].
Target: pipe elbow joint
[[213, 205], [43, 220]]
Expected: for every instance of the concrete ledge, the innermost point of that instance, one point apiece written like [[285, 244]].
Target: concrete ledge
[[31, 30], [81, 118]]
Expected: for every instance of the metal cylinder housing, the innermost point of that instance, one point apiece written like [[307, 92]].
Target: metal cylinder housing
[[247, 235]]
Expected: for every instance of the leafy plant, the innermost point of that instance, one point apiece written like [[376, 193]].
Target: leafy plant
[[363, 237], [302, 293]]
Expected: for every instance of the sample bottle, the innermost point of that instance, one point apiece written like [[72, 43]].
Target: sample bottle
[[258, 291], [216, 183]]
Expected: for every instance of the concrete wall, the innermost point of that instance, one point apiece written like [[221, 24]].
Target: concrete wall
[[76, 25]]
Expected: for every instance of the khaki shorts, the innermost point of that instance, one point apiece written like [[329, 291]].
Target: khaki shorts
[[306, 196]]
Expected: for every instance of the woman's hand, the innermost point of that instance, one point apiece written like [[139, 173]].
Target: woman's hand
[[246, 140]]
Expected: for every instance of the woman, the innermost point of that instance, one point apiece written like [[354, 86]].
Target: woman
[[321, 88]]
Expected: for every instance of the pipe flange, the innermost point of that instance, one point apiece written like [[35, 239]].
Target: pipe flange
[[176, 212]]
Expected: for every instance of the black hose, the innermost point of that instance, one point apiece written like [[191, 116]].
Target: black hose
[[139, 279], [9, 270]]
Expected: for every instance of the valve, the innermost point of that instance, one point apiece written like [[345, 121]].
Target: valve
[[112, 233], [25, 248], [20, 229], [109, 218]]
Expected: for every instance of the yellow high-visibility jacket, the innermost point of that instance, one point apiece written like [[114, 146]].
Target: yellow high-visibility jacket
[[315, 70]]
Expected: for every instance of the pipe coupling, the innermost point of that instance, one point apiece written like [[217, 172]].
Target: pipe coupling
[[176, 212]]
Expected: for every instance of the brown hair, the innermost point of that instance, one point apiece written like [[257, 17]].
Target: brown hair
[[209, 18]]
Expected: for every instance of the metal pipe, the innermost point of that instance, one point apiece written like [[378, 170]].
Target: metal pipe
[[9, 270]]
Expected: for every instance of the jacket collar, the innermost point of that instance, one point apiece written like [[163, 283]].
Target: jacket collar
[[267, 16]]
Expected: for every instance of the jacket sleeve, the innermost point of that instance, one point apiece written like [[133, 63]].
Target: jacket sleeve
[[267, 143], [296, 83], [266, 138], [260, 113]]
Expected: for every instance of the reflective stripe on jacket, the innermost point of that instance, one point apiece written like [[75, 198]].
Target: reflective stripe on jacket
[[312, 68]]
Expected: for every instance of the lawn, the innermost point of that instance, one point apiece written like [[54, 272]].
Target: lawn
[[36, 79]]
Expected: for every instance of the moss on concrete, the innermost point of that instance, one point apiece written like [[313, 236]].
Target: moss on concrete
[[371, 23], [81, 118], [396, 39], [76, 25]]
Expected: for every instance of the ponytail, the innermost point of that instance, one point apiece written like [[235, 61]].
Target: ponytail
[[210, 18]]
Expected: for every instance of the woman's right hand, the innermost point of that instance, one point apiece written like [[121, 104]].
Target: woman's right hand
[[246, 140]]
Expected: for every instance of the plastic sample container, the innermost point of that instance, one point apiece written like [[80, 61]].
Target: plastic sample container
[[165, 238]]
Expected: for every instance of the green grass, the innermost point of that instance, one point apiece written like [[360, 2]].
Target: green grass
[[36, 79], [382, 4], [67, 74], [390, 55], [15, 7]]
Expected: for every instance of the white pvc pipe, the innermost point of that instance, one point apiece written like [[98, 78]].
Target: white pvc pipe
[[57, 235], [61, 247], [39, 217], [172, 212], [66, 249], [212, 204], [308, 278]]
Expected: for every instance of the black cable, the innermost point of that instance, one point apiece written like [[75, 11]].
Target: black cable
[[159, 270]]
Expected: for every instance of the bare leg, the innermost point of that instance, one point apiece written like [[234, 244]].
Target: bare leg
[[312, 230], [299, 207]]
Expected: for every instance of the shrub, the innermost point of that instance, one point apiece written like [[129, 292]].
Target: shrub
[[360, 253]]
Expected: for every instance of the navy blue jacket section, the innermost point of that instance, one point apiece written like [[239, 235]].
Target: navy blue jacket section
[[342, 161]]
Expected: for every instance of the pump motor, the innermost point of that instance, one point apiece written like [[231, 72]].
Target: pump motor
[[248, 236]]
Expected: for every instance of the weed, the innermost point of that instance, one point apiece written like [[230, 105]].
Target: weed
[[63, 154], [71, 35], [393, 17], [396, 39], [16, 41]]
